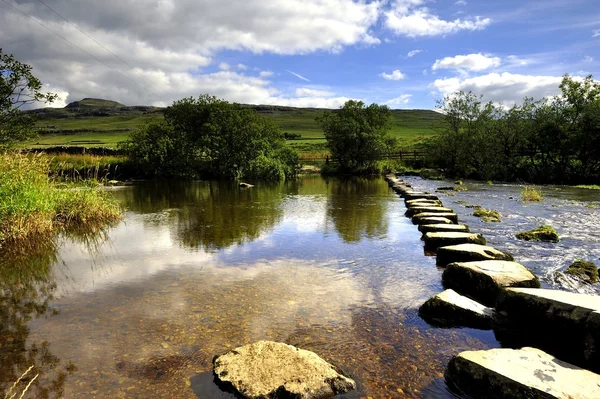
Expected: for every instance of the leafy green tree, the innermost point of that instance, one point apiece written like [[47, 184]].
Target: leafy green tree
[[357, 134], [212, 137], [18, 87]]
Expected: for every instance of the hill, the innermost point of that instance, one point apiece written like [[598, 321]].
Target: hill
[[98, 122]]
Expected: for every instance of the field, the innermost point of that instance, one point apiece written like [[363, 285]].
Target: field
[[95, 123]]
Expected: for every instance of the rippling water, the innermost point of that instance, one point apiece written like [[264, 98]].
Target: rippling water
[[197, 268]]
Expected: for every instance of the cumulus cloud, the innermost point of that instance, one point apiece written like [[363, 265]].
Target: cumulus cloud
[[170, 42], [224, 66], [505, 88], [399, 101], [241, 67], [265, 74], [471, 62], [413, 53], [305, 92], [395, 75], [411, 18]]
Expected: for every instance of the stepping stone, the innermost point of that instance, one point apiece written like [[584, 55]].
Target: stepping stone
[[420, 195], [442, 239], [468, 253], [422, 202], [269, 369], [569, 321], [431, 209], [484, 280], [434, 220], [450, 309], [448, 215], [526, 373], [401, 190], [434, 228]]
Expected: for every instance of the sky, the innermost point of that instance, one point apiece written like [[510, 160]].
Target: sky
[[306, 53]]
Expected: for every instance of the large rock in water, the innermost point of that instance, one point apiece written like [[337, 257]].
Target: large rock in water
[[427, 209], [484, 280], [564, 323], [448, 215], [435, 240], [437, 228], [420, 195], [526, 373], [435, 220], [422, 201], [468, 253], [449, 309], [269, 369]]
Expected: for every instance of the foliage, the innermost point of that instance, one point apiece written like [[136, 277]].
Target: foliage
[[531, 194], [208, 136], [357, 134], [543, 233], [33, 205], [18, 87], [552, 140]]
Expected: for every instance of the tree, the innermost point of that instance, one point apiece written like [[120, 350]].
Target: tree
[[18, 87], [208, 136], [357, 134]]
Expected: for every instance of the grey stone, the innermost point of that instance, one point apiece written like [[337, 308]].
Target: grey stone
[[269, 369], [450, 309], [434, 240], [420, 195], [422, 202], [434, 220], [526, 373], [468, 253], [448, 215], [432, 228], [484, 280], [430, 209]]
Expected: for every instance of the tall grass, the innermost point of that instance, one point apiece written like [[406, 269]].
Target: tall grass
[[34, 205], [531, 194]]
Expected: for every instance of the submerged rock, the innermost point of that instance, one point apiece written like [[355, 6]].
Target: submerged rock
[[469, 253], [416, 219], [526, 373], [269, 369], [433, 228], [484, 280], [543, 233], [449, 309], [430, 209], [487, 215], [434, 240], [584, 270]]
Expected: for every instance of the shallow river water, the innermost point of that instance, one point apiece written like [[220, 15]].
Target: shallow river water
[[197, 268]]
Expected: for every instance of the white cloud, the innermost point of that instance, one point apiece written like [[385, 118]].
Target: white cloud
[[411, 18], [400, 100], [588, 58], [224, 66], [265, 74], [461, 3], [505, 88], [241, 67], [298, 75], [425, 72], [596, 33], [305, 92], [413, 53], [395, 75], [471, 62]]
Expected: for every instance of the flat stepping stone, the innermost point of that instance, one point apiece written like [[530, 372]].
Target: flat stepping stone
[[450, 309], [434, 220], [434, 240], [434, 228], [569, 321], [519, 374], [419, 195], [448, 215], [422, 202], [269, 369], [468, 253], [484, 280], [400, 190], [430, 209]]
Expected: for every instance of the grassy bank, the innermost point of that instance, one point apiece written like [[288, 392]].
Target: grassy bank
[[33, 205]]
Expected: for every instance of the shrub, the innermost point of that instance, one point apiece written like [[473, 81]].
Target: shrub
[[531, 194]]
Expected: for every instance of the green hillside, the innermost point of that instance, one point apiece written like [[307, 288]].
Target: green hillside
[[96, 122]]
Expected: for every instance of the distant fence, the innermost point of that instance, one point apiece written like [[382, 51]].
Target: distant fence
[[405, 156]]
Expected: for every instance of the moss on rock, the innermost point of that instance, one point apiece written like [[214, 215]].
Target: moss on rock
[[543, 233], [487, 215], [586, 271]]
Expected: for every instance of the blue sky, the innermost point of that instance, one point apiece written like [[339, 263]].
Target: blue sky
[[404, 53]]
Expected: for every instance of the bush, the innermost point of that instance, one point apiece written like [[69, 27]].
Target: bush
[[531, 194]]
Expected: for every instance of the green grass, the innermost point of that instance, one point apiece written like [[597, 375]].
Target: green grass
[[74, 126], [589, 187], [32, 205], [531, 194]]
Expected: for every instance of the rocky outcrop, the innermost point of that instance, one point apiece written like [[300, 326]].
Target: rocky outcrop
[[410, 212], [434, 240], [416, 219], [435, 228], [484, 280], [526, 373], [468, 253], [268, 369], [542, 233], [562, 322], [583, 270], [449, 309]]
